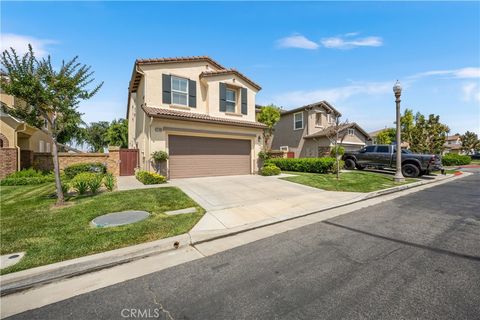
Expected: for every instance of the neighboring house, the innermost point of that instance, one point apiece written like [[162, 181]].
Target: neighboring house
[[305, 131], [200, 113], [453, 144], [18, 140], [373, 136]]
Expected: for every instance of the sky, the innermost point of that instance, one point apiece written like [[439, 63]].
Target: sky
[[348, 53]]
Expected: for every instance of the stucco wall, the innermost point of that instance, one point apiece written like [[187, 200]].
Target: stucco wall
[[285, 135]]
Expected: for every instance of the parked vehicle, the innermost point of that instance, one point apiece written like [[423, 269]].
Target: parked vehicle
[[384, 156], [476, 156]]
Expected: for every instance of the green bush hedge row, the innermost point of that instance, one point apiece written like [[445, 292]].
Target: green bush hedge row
[[453, 159], [314, 165], [87, 181], [73, 170], [146, 177], [27, 177], [270, 170]]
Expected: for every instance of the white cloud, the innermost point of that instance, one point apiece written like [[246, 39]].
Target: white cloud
[[297, 41], [463, 73], [471, 92], [342, 43], [334, 95], [20, 44]]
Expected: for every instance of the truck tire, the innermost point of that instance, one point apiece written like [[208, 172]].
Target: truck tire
[[410, 170], [349, 164], [360, 167]]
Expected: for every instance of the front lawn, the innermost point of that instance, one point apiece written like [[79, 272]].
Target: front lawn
[[353, 181], [30, 223]]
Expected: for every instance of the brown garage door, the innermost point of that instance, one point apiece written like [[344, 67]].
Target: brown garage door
[[202, 156]]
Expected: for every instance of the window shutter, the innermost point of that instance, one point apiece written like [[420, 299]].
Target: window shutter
[[243, 97], [223, 97], [192, 93], [167, 88]]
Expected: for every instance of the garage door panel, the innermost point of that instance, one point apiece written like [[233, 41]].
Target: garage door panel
[[202, 156]]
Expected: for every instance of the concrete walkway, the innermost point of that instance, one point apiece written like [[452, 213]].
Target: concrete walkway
[[234, 201]]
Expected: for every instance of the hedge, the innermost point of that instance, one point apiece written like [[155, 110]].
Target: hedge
[[146, 177], [314, 165], [453, 159], [27, 177], [75, 169]]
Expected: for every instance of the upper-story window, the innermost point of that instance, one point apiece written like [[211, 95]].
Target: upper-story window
[[231, 100], [318, 119], [179, 91], [298, 120], [330, 118], [351, 132]]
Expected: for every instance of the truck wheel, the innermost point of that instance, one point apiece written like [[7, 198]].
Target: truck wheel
[[349, 164], [410, 170]]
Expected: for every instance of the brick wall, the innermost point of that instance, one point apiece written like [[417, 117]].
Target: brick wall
[[111, 159], [8, 161], [43, 161]]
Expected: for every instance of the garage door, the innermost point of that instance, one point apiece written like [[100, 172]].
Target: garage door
[[203, 157]]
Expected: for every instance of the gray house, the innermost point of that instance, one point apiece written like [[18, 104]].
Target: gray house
[[305, 131]]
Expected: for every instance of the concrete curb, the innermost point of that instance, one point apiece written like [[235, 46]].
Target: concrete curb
[[23, 280]]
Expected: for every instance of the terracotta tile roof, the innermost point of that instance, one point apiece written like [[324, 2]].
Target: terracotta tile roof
[[329, 130], [230, 71], [182, 115], [180, 59], [322, 103]]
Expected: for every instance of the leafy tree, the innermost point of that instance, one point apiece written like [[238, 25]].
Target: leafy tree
[[269, 116], [117, 133], [336, 133], [428, 135], [407, 123], [470, 142], [95, 135], [386, 136], [47, 94]]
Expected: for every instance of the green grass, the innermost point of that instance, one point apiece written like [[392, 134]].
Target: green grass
[[475, 161], [30, 223], [354, 181]]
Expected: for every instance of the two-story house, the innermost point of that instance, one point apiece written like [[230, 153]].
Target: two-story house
[[307, 131], [201, 113], [453, 144]]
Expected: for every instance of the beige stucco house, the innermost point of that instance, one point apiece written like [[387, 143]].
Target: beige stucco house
[[453, 144], [305, 131], [201, 113], [18, 140]]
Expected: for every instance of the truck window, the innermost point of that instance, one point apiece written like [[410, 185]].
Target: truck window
[[369, 149], [382, 149]]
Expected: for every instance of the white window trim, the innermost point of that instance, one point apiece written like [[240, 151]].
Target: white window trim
[[303, 124], [181, 92], [41, 146], [351, 132], [318, 125], [284, 148], [47, 149]]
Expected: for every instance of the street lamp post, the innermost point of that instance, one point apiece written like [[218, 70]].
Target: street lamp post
[[397, 90]]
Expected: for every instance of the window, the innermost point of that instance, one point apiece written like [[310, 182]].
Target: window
[[180, 91], [298, 121], [48, 147], [284, 148], [231, 100], [369, 149], [41, 146], [330, 118], [382, 149], [351, 132], [318, 119]]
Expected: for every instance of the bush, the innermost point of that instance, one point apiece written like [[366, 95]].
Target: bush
[[270, 170], [109, 181], [75, 169], [85, 181], [159, 156], [27, 177], [340, 151], [314, 165], [453, 159], [146, 177], [262, 155]]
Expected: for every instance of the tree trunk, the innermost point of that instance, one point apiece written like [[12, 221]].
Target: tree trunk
[[56, 169]]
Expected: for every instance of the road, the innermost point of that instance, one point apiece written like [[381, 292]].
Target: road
[[414, 257]]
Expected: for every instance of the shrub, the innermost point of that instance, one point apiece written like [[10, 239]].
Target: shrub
[[262, 155], [75, 169], [453, 159], [159, 156], [270, 170], [27, 177], [314, 165], [109, 181], [85, 181], [146, 177], [340, 151]]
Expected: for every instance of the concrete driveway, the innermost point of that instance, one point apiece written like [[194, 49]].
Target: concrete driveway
[[233, 201]]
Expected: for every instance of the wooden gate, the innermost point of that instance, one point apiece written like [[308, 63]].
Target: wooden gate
[[128, 161]]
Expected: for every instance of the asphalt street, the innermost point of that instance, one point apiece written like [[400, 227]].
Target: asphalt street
[[414, 257]]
